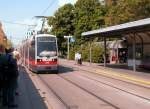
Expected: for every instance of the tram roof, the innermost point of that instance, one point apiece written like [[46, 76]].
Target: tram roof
[[119, 30], [41, 35]]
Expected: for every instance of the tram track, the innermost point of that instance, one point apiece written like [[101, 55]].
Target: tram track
[[53, 91], [92, 72], [68, 106], [89, 92], [102, 98], [147, 88], [110, 85], [75, 106], [93, 94], [90, 78]]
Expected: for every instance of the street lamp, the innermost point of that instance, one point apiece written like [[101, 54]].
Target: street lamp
[[68, 37]]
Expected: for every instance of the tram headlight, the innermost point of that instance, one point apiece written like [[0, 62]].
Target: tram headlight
[[39, 60]]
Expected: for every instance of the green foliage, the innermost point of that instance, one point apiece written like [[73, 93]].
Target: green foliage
[[62, 23], [97, 52], [127, 10], [142, 9], [88, 15]]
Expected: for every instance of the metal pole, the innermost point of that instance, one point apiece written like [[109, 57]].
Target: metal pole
[[28, 57], [35, 50], [90, 54], [43, 24], [104, 52], [134, 57], [117, 55], [68, 49], [24, 57]]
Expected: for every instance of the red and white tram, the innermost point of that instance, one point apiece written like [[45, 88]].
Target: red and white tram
[[40, 53]]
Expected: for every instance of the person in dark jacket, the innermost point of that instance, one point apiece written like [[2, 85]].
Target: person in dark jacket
[[2, 61], [12, 77]]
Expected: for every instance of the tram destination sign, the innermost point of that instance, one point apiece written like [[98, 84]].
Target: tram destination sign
[[46, 39]]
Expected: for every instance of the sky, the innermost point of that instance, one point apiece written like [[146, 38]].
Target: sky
[[23, 12]]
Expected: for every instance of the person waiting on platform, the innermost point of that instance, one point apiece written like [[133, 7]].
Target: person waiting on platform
[[79, 59], [2, 62], [76, 58], [11, 75]]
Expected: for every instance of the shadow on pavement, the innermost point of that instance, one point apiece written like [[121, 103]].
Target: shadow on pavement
[[63, 69]]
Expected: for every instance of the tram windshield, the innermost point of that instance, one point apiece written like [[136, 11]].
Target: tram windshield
[[46, 48]]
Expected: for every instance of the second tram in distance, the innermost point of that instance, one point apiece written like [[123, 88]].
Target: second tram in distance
[[40, 53]]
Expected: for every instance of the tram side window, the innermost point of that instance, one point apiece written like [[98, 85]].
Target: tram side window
[[32, 50]]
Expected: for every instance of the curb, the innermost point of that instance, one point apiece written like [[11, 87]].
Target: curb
[[42, 93]]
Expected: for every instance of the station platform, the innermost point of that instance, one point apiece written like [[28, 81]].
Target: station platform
[[28, 97]]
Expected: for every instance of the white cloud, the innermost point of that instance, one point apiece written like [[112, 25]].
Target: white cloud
[[62, 2]]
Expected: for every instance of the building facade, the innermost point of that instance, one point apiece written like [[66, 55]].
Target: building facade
[[2, 34]]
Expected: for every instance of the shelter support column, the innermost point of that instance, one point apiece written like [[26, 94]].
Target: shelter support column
[[134, 54], [90, 52], [28, 56], [104, 52], [68, 49], [117, 54]]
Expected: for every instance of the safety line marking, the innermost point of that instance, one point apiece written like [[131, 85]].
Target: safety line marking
[[112, 73]]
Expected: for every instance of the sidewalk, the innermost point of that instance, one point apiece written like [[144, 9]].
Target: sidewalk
[[140, 77], [29, 97]]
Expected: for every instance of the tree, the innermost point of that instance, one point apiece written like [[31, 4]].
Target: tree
[[62, 24], [127, 10], [63, 20], [142, 9], [87, 14]]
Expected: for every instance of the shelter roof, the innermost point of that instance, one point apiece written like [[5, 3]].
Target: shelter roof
[[119, 30]]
